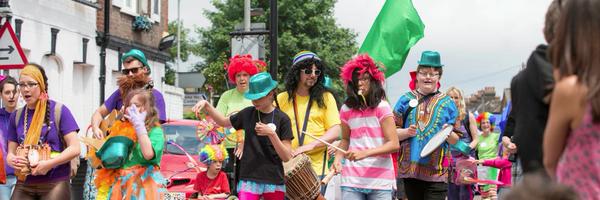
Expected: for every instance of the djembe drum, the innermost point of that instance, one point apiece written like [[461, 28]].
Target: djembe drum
[[300, 179]]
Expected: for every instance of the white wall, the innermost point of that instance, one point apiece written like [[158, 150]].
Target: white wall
[[174, 101], [75, 86]]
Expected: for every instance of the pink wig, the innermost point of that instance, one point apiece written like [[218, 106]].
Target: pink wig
[[240, 63], [365, 64]]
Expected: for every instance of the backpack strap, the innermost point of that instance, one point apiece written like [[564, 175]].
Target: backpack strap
[[18, 116], [57, 114]]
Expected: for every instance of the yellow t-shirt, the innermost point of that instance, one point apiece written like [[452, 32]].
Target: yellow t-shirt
[[320, 119]]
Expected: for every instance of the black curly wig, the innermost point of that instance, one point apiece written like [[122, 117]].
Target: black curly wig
[[316, 91]]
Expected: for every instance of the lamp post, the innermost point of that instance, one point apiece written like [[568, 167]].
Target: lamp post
[[273, 37], [178, 43]]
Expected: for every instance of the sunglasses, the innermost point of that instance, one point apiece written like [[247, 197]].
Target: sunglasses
[[130, 70], [310, 71]]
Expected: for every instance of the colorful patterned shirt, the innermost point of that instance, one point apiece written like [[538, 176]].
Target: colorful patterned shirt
[[432, 114]]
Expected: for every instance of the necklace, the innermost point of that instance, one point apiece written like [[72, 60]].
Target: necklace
[[25, 121], [271, 125]]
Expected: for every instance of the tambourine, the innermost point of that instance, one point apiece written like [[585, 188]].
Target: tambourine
[[438, 139]]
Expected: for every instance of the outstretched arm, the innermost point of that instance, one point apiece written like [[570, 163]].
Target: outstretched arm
[[212, 112]]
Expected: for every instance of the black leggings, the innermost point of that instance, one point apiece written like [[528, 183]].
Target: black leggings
[[46, 191], [424, 190]]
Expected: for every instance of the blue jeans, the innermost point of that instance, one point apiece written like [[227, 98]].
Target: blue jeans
[[348, 193], [7, 189]]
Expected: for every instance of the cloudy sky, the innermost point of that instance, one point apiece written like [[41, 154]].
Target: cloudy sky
[[482, 42]]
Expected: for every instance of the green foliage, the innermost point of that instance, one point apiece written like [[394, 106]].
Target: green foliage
[[303, 25], [187, 45]]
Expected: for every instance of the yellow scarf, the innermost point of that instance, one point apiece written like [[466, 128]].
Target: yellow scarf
[[34, 130]]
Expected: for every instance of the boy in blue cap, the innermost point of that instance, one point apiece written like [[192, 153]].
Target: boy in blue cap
[[267, 141]]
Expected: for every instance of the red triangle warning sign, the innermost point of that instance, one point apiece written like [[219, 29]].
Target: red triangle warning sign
[[11, 54]]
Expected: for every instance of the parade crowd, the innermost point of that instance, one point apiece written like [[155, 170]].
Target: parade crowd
[[297, 139]]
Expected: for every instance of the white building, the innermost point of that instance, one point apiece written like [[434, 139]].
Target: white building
[[73, 81]]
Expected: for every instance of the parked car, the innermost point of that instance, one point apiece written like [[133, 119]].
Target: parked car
[[180, 164]]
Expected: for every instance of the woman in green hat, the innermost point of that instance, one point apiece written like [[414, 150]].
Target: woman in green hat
[[267, 144]]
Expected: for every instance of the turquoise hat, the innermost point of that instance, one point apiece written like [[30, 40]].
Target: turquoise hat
[[430, 59], [114, 152], [138, 55], [260, 85]]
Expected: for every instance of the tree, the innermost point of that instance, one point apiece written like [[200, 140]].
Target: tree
[[303, 25], [187, 48]]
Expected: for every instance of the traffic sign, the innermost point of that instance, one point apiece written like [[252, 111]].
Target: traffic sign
[[11, 54]]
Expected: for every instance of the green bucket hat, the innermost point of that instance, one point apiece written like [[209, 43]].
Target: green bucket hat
[[114, 152], [430, 59], [138, 55], [260, 85]]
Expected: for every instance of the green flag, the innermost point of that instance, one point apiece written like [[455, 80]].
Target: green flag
[[396, 29]]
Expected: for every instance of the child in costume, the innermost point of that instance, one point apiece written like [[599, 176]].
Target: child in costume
[[212, 183], [135, 173], [504, 165], [267, 143], [368, 133]]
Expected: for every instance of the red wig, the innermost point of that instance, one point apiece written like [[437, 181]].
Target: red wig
[[239, 63], [365, 64]]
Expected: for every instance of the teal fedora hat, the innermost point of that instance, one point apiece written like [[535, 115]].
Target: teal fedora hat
[[114, 152], [430, 58], [138, 55], [260, 85]]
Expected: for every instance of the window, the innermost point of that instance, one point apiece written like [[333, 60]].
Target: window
[[130, 7], [155, 10]]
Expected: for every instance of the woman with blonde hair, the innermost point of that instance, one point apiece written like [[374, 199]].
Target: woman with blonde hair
[[466, 128]]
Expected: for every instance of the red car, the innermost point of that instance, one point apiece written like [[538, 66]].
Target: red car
[[180, 164]]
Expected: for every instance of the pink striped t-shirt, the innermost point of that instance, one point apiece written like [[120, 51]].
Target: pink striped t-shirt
[[375, 172]]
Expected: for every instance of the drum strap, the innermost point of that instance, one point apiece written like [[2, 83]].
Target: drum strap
[[301, 134]]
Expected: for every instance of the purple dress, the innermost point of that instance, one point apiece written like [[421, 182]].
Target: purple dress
[[67, 125], [115, 101], [579, 164]]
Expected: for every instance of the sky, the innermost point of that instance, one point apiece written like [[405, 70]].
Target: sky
[[481, 42]]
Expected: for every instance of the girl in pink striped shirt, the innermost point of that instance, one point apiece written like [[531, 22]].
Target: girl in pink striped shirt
[[368, 133]]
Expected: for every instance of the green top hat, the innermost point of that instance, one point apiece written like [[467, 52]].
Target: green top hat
[[114, 152], [138, 55], [260, 85], [430, 59]]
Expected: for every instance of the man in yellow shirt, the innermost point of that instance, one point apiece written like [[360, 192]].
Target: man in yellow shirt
[[311, 108]]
